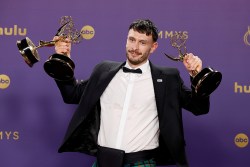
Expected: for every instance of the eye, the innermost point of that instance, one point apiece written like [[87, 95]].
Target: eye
[[143, 42], [131, 39]]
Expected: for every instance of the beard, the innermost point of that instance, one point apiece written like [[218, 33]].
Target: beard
[[139, 59]]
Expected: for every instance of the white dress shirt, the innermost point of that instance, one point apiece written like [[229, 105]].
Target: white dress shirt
[[129, 119]]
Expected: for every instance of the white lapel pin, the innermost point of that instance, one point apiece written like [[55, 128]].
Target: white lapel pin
[[159, 80]]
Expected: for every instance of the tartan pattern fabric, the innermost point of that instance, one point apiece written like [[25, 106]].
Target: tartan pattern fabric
[[146, 163]]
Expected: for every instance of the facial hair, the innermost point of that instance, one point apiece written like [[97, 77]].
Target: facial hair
[[137, 61]]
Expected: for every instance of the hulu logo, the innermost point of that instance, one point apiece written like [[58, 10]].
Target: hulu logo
[[241, 88], [13, 31]]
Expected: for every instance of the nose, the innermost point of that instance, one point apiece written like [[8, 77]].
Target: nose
[[135, 46]]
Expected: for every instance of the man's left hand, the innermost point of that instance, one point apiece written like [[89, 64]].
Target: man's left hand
[[192, 63]]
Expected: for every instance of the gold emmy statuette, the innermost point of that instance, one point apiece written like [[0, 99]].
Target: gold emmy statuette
[[205, 81], [58, 66]]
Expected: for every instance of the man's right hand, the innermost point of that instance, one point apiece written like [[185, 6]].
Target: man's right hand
[[62, 45]]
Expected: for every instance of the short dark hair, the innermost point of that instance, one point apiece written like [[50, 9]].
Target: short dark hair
[[145, 26]]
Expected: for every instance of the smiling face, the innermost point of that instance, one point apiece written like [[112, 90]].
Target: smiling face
[[139, 46]]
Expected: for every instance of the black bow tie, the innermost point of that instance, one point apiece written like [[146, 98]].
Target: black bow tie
[[138, 70]]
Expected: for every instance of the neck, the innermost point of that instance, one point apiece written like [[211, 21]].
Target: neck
[[135, 65]]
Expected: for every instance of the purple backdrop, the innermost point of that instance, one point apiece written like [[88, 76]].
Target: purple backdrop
[[33, 117]]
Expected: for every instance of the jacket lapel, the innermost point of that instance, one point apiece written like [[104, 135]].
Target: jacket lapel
[[159, 82], [98, 84], [107, 75]]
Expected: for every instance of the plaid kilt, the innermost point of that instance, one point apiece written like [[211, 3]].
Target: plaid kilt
[[146, 163]]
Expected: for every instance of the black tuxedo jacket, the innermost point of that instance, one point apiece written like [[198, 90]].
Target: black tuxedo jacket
[[171, 96]]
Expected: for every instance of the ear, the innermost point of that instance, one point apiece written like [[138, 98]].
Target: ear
[[154, 46]]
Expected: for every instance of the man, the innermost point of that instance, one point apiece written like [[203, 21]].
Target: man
[[135, 115]]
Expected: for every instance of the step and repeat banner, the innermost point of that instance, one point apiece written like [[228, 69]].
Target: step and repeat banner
[[34, 118]]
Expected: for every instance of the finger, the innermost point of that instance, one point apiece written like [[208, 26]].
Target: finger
[[66, 40], [56, 38], [187, 60], [196, 64], [192, 62], [60, 48]]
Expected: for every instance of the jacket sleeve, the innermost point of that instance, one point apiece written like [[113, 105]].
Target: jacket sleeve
[[71, 90], [190, 101]]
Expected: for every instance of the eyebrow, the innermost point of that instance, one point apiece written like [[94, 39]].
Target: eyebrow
[[145, 40]]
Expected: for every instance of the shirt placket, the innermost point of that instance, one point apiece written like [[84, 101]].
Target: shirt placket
[[125, 110]]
